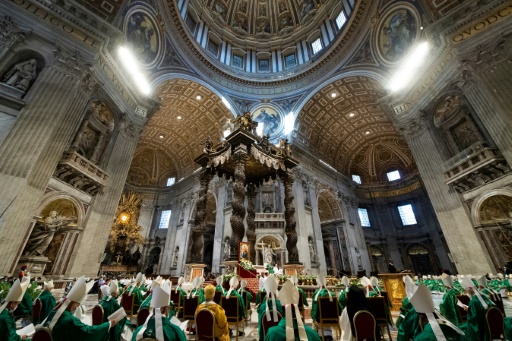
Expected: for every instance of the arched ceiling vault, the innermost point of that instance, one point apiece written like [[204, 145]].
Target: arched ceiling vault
[[344, 124]]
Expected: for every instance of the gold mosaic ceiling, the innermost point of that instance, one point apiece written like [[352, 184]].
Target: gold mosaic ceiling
[[173, 137], [340, 130]]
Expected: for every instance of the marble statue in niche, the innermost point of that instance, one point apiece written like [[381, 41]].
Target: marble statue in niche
[[226, 248], [313, 256], [176, 256], [21, 75], [43, 233], [307, 195]]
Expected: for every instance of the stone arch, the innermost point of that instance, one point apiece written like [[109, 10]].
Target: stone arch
[[328, 204], [276, 237], [420, 257], [51, 197], [479, 202]]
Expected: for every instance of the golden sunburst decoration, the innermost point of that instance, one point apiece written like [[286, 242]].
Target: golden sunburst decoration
[[125, 222]]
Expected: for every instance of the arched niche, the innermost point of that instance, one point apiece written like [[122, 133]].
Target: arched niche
[[420, 258], [379, 259]]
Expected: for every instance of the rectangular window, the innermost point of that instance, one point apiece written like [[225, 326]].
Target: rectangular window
[[237, 61], [264, 65], [341, 20], [363, 216], [290, 61], [356, 178], [394, 175], [407, 215], [212, 47], [170, 181], [164, 219], [317, 46], [191, 24]]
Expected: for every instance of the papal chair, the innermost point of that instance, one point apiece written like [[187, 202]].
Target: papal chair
[[328, 315], [495, 324], [364, 326], [234, 317], [205, 324]]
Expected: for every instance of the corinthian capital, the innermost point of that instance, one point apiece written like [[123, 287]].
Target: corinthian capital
[[88, 84], [69, 61], [415, 126], [130, 130]]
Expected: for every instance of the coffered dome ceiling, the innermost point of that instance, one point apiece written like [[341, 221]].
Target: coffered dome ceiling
[[345, 126]]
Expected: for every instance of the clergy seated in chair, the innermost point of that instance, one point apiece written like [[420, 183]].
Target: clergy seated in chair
[[475, 327], [24, 309], [146, 304], [65, 326], [319, 293], [295, 281], [409, 325], [269, 304], [435, 329], [110, 306], [246, 297], [197, 290], [357, 301], [135, 291], [158, 325], [12, 300], [219, 280], [47, 302], [233, 285], [448, 306], [235, 313], [177, 298], [221, 327], [376, 291], [342, 298], [291, 327]]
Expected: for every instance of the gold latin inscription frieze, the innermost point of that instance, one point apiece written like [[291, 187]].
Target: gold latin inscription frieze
[[482, 24], [392, 193], [58, 23]]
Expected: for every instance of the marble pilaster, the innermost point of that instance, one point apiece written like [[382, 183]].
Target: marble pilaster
[[219, 230], [317, 229], [30, 152]]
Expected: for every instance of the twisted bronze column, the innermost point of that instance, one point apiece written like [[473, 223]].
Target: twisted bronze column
[[197, 237], [237, 204], [289, 217], [251, 226]]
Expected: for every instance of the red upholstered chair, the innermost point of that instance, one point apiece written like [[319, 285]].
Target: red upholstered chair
[[142, 316], [127, 302], [329, 315], [36, 310], [377, 307], [266, 325], [205, 322], [217, 296], [463, 315], [97, 315], [494, 319], [42, 334], [230, 306], [189, 307], [364, 326]]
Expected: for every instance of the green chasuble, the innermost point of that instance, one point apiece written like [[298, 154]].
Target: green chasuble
[[170, 331], [8, 327], [47, 304], [304, 297], [428, 334], [278, 333], [259, 295], [174, 305], [199, 293], [448, 306], [24, 308], [261, 314], [241, 304], [508, 327], [220, 288], [476, 328], [406, 306], [249, 297], [68, 327], [410, 326], [342, 299], [137, 297], [315, 313], [146, 302], [110, 307]]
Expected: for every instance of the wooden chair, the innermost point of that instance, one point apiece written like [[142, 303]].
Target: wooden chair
[[217, 296], [97, 315], [175, 298], [128, 304], [42, 334], [364, 326], [142, 316], [230, 306], [329, 315], [495, 324], [189, 307], [378, 309], [36, 310], [205, 324], [463, 315], [266, 325]]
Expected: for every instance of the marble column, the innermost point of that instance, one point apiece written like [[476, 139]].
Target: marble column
[[237, 204], [289, 217], [317, 229], [97, 228], [467, 250], [218, 236], [251, 225], [29, 154], [197, 253]]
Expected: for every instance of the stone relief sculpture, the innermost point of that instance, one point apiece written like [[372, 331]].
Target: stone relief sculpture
[[22, 75], [176, 256], [307, 195], [268, 254], [312, 252], [43, 233]]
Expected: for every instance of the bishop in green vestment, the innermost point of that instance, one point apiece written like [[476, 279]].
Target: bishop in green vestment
[[319, 293], [110, 306], [171, 332], [47, 302], [68, 327], [428, 334], [24, 308], [448, 306], [270, 286], [8, 326], [11, 302], [475, 327]]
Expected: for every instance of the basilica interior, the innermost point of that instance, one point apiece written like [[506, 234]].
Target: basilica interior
[[333, 136]]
